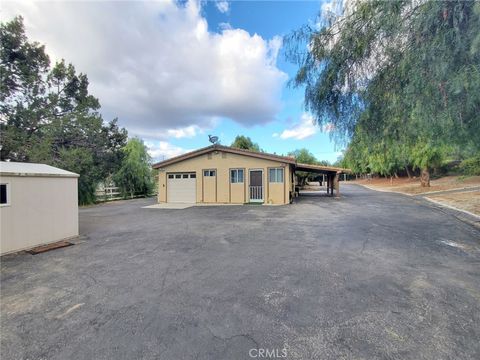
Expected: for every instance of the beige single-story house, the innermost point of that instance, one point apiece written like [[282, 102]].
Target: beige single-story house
[[221, 174], [38, 205]]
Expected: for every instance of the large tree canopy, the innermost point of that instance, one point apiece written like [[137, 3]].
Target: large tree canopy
[[304, 156], [244, 142], [48, 116], [400, 80]]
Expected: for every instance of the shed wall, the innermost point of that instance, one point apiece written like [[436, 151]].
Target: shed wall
[[42, 210]]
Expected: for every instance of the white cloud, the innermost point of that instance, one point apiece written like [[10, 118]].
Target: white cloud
[[178, 133], [225, 26], [156, 66], [332, 7], [162, 150], [189, 132], [301, 130], [222, 6], [328, 127], [274, 47]]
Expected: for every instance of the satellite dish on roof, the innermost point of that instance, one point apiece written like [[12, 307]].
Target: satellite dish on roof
[[213, 139]]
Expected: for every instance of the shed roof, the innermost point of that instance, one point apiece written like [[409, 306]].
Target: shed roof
[[32, 169]]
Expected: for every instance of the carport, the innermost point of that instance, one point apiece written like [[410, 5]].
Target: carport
[[332, 175]]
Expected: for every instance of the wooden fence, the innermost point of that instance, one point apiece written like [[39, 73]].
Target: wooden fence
[[108, 193]]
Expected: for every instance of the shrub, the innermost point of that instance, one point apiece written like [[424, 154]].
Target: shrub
[[471, 166]]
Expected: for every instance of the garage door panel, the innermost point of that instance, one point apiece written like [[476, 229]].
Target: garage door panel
[[181, 188]]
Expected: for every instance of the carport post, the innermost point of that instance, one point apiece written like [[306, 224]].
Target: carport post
[[337, 185], [332, 184], [328, 184]]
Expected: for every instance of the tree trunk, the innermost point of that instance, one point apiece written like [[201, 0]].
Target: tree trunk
[[408, 172], [425, 178]]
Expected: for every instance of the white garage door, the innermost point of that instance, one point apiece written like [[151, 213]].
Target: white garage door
[[181, 188]]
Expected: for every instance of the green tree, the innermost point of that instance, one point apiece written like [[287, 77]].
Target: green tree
[[135, 174], [303, 156], [400, 79], [48, 116], [244, 142]]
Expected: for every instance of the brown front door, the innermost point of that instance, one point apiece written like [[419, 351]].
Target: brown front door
[[256, 185]]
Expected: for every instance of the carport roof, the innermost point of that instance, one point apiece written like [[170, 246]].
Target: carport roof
[[261, 155], [319, 168], [10, 168]]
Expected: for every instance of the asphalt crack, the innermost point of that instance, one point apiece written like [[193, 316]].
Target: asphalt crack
[[226, 339]]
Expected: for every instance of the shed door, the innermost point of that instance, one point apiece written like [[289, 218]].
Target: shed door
[[181, 188]]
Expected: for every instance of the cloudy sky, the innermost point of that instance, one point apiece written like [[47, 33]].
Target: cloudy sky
[[174, 72]]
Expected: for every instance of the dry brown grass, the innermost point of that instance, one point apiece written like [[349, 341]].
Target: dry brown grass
[[468, 200], [465, 200], [412, 186]]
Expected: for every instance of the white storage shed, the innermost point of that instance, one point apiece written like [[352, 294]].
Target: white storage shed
[[38, 205]]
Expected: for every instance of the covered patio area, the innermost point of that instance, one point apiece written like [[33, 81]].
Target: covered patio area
[[331, 175]]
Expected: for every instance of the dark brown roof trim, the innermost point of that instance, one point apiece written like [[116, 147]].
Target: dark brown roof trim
[[205, 150], [321, 167]]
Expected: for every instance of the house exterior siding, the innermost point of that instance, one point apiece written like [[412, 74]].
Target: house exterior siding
[[219, 189]]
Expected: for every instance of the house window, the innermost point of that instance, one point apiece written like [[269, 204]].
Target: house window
[[276, 175], [236, 176], [170, 176], [4, 194], [209, 173]]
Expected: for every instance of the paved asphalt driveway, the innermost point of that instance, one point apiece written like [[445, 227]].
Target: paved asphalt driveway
[[371, 276]]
